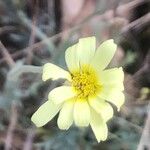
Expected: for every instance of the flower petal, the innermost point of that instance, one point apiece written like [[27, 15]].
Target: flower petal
[[45, 113], [86, 49], [60, 94], [112, 75], [112, 79], [104, 54], [81, 113], [102, 107], [98, 126], [65, 118], [114, 96], [51, 71], [71, 58]]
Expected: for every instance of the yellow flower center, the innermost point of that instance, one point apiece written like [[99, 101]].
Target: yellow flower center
[[85, 81]]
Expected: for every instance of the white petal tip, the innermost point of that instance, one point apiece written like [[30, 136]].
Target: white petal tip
[[100, 139], [35, 122], [81, 124], [43, 78], [63, 128], [118, 109], [112, 42]]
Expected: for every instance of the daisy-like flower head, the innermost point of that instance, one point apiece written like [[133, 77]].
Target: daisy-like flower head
[[86, 99]]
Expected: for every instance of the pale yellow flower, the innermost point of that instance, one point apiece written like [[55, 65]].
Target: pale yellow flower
[[84, 100]]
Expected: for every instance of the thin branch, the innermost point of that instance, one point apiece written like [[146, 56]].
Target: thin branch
[[23, 69], [13, 121], [6, 55], [29, 140], [48, 40], [145, 138], [41, 35], [7, 29], [38, 44], [138, 24], [138, 128], [33, 33]]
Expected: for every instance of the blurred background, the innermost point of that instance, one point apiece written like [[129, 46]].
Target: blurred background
[[33, 32]]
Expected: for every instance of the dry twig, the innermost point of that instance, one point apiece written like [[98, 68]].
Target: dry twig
[[138, 24], [6, 55], [13, 121], [29, 140], [145, 138], [33, 33], [48, 40]]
